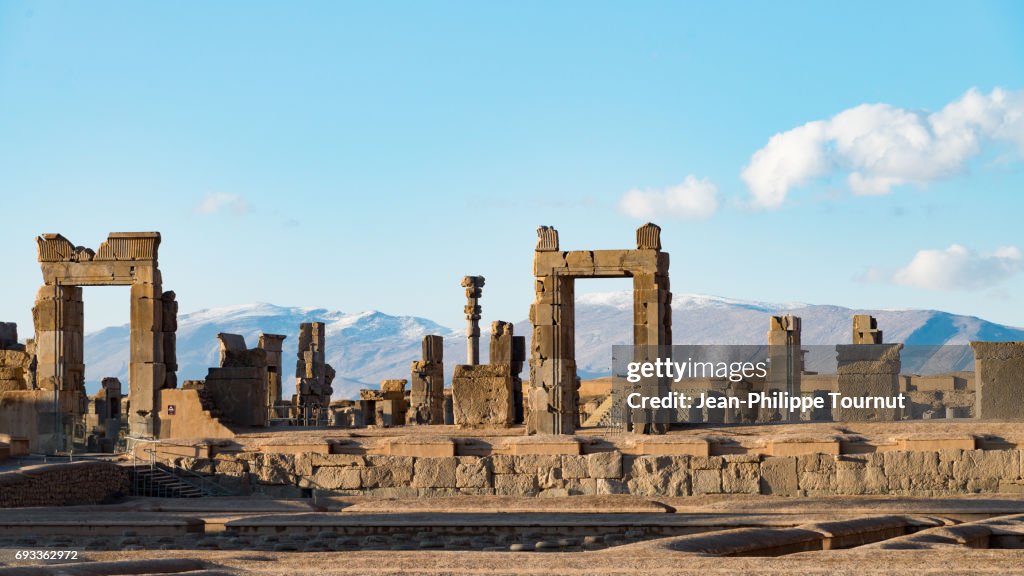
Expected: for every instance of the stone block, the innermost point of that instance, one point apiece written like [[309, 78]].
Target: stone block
[[706, 482], [472, 472], [574, 467], [779, 476], [435, 473], [659, 476], [337, 478], [741, 478], [390, 475], [482, 401], [515, 485], [605, 464], [999, 377]]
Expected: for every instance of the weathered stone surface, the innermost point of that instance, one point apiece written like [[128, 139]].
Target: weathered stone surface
[[706, 482], [482, 396], [982, 470], [659, 476], [515, 485], [605, 464], [779, 476], [337, 478], [999, 373], [741, 478], [435, 473], [472, 472], [574, 467]]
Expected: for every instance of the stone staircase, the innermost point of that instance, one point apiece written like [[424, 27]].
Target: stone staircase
[[156, 481], [601, 416]]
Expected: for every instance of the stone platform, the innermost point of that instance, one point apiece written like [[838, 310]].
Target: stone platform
[[904, 458]]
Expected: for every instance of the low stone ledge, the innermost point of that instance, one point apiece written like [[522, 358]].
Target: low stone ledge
[[528, 445]]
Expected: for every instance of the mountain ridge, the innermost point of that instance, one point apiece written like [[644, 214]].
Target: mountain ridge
[[369, 346]]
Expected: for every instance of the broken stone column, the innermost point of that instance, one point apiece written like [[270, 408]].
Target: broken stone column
[[170, 328], [865, 330], [474, 290], [999, 380], [394, 405], [785, 364], [271, 344], [867, 368], [313, 376], [426, 397], [510, 350]]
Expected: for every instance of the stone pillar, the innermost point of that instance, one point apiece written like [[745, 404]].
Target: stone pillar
[[785, 363], [865, 330], [552, 395], [147, 371], [652, 326], [313, 376], [474, 290], [272, 344], [999, 380], [170, 329], [867, 369], [59, 321], [509, 350], [426, 395]]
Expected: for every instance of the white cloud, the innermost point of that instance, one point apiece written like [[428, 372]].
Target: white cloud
[[959, 268], [878, 146], [216, 201], [692, 199]]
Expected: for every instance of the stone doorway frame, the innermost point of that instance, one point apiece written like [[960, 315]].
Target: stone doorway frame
[[553, 398], [124, 259]]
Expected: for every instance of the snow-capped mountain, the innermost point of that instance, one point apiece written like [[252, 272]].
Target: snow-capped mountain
[[368, 347]]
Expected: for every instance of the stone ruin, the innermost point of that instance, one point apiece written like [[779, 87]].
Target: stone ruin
[[386, 407], [17, 361], [313, 377], [487, 396], [103, 417], [785, 363], [426, 397], [553, 397], [124, 259], [239, 391], [998, 367], [490, 395], [865, 330], [868, 368]]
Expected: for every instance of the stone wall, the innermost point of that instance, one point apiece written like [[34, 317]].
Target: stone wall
[[86, 482], [903, 472]]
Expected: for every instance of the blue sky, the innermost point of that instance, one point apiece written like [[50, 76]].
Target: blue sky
[[367, 155]]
